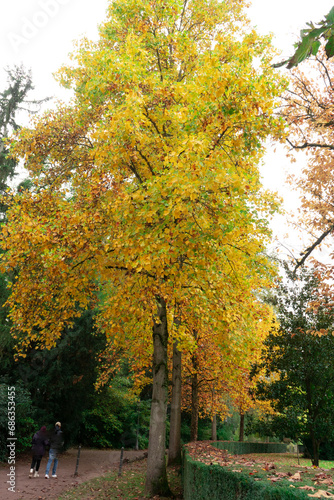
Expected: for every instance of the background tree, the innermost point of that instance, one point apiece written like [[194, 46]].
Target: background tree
[[308, 109], [13, 101], [214, 373], [298, 361]]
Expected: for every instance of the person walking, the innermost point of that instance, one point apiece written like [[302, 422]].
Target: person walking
[[39, 442], [56, 445]]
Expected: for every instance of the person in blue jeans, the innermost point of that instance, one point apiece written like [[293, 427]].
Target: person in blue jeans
[[56, 445]]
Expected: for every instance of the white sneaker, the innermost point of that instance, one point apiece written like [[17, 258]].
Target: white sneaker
[[54, 475], [46, 476], [36, 474], [31, 472]]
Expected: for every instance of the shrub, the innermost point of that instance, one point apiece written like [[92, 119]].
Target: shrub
[[202, 481], [25, 425]]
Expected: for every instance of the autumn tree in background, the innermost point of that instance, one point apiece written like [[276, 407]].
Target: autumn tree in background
[[146, 189], [308, 109], [214, 373]]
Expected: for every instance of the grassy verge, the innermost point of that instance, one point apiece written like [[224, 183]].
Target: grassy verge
[[291, 459], [130, 485]]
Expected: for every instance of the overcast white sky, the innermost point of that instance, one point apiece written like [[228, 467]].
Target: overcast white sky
[[40, 34]]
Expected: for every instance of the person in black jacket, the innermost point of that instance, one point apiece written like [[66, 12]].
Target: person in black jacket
[[39, 442], [56, 445]]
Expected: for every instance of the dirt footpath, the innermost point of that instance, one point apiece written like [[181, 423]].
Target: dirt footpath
[[93, 463]]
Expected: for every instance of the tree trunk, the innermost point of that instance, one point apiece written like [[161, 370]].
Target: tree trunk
[[156, 477], [242, 426], [174, 452], [315, 448], [194, 408], [214, 428], [311, 422]]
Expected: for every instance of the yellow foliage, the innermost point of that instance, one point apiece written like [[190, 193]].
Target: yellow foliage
[[147, 184]]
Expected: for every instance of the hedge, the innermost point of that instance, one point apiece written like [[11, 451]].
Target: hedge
[[203, 482]]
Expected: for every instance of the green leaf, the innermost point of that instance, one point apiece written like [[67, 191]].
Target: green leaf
[[329, 47], [315, 47], [302, 52], [303, 32], [330, 15], [317, 32]]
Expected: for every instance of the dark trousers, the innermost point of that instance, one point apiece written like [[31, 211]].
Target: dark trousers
[[36, 460]]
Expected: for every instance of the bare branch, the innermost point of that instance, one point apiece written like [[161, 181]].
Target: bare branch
[[309, 250], [310, 145]]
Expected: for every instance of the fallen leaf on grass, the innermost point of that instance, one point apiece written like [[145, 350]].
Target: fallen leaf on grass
[[322, 475], [296, 477], [307, 488], [269, 466], [321, 494], [282, 474]]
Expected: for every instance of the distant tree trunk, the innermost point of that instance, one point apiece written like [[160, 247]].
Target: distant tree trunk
[[214, 428], [194, 396], [156, 477], [174, 452], [194, 408], [315, 448], [311, 416], [242, 426]]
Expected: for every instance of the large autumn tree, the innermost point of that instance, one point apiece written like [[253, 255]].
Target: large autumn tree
[[147, 186]]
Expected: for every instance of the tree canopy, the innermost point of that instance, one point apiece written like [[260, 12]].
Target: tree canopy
[[146, 194]]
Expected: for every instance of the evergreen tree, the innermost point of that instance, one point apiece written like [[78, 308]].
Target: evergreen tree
[[298, 361], [13, 100]]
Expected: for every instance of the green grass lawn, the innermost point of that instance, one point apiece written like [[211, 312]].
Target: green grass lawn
[[283, 469]]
